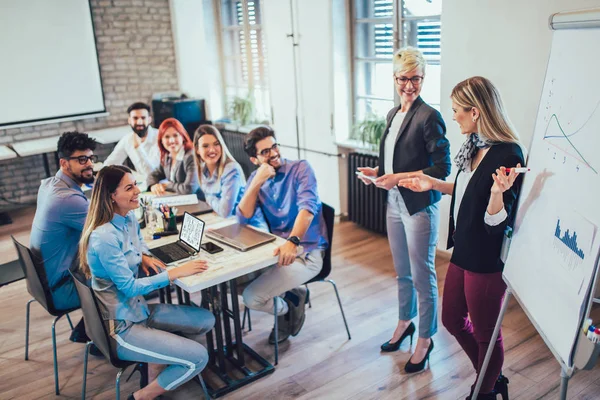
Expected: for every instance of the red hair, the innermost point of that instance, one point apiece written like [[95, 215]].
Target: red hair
[[162, 129]]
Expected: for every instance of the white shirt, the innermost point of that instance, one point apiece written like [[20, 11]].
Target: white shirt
[[462, 181], [390, 142], [145, 159]]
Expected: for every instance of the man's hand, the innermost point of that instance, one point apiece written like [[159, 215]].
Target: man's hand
[[264, 172], [151, 264], [287, 253], [158, 189]]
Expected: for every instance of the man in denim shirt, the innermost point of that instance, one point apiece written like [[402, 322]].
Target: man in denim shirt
[[285, 192], [61, 211]]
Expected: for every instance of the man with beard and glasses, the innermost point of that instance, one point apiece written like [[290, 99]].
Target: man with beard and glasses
[[141, 145], [61, 211], [285, 193]]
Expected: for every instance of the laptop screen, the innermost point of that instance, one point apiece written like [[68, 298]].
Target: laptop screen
[[191, 231]]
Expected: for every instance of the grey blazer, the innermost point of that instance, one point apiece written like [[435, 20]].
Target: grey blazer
[[186, 174]]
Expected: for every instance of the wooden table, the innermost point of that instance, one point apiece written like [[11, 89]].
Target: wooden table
[[6, 153], [110, 135], [38, 146], [226, 348]]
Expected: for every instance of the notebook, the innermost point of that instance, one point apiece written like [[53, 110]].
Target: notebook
[[188, 244], [240, 237]]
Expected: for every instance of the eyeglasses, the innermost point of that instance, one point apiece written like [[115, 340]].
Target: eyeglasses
[[268, 150], [402, 80], [83, 159]]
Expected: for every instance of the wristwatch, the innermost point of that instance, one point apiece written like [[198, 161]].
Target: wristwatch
[[295, 240]]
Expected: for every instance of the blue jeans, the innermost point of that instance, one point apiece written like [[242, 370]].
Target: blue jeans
[[157, 340], [65, 296], [413, 240]]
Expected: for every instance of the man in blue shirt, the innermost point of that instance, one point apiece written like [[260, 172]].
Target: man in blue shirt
[[59, 218], [285, 193]]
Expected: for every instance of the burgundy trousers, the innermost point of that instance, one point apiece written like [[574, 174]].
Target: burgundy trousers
[[471, 305]]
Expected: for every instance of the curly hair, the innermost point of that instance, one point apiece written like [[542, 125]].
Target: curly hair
[[71, 142], [255, 136]]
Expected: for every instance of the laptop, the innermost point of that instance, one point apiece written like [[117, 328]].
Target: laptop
[[240, 237], [188, 244]]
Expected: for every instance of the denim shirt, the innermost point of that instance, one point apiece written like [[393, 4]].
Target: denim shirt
[[114, 255], [223, 194], [61, 211], [280, 199]]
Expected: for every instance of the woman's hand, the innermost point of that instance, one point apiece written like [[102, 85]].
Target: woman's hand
[[367, 171], [420, 183], [158, 189], [189, 268], [387, 181], [503, 182], [150, 263]]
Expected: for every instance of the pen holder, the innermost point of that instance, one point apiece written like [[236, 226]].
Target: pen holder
[[170, 223]]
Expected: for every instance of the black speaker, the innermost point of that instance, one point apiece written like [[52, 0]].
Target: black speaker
[[190, 112]]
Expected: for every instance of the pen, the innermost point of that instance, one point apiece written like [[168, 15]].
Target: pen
[[519, 170]]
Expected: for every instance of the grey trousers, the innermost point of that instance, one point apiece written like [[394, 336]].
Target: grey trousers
[[413, 240], [261, 293], [157, 340]]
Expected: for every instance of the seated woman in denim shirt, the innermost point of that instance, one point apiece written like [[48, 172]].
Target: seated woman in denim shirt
[[111, 251], [221, 177]]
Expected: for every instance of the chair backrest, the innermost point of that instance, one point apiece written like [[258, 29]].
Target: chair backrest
[[35, 276], [329, 218], [94, 325]]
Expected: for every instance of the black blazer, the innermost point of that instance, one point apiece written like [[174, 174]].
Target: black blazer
[[421, 145], [477, 245]]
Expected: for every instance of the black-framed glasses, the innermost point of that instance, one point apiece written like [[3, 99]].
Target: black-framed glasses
[[83, 159], [268, 150], [402, 80]]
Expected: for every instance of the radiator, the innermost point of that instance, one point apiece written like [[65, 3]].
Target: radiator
[[366, 203], [235, 143]]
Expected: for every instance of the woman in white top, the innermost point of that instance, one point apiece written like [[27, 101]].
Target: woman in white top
[[414, 143]]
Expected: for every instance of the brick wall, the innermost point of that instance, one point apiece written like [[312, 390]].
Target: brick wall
[[136, 56]]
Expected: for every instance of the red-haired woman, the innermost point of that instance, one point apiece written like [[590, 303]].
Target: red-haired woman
[[177, 171]]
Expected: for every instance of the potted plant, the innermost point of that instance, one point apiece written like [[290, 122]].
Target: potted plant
[[241, 110], [370, 130]]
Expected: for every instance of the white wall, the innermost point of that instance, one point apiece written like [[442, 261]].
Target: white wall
[[311, 100], [196, 55], [506, 41]]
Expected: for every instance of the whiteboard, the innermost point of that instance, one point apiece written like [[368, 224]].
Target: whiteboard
[[50, 65], [555, 244]]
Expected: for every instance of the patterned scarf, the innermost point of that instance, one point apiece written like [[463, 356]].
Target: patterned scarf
[[468, 150]]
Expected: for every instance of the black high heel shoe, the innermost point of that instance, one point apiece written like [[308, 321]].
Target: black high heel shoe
[[501, 387], [410, 367], [409, 331]]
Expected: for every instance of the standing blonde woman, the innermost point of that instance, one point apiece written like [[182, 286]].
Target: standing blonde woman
[[111, 251], [220, 176], [414, 142], [483, 200]]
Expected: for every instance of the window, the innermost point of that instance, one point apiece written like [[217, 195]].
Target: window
[[243, 54], [379, 29]]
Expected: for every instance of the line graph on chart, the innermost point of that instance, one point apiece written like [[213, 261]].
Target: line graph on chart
[[570, 141]]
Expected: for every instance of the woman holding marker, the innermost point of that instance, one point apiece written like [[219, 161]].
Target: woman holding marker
[[414, 142], [483, 200], [177, 171]]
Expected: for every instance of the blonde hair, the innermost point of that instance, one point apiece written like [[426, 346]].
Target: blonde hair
[[407, 59], [493, 124], [101, 208], [226, 156]]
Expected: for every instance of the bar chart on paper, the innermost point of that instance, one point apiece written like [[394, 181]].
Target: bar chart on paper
[[572, 244]]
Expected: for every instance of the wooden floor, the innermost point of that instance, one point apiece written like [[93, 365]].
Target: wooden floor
[[320, 363]]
